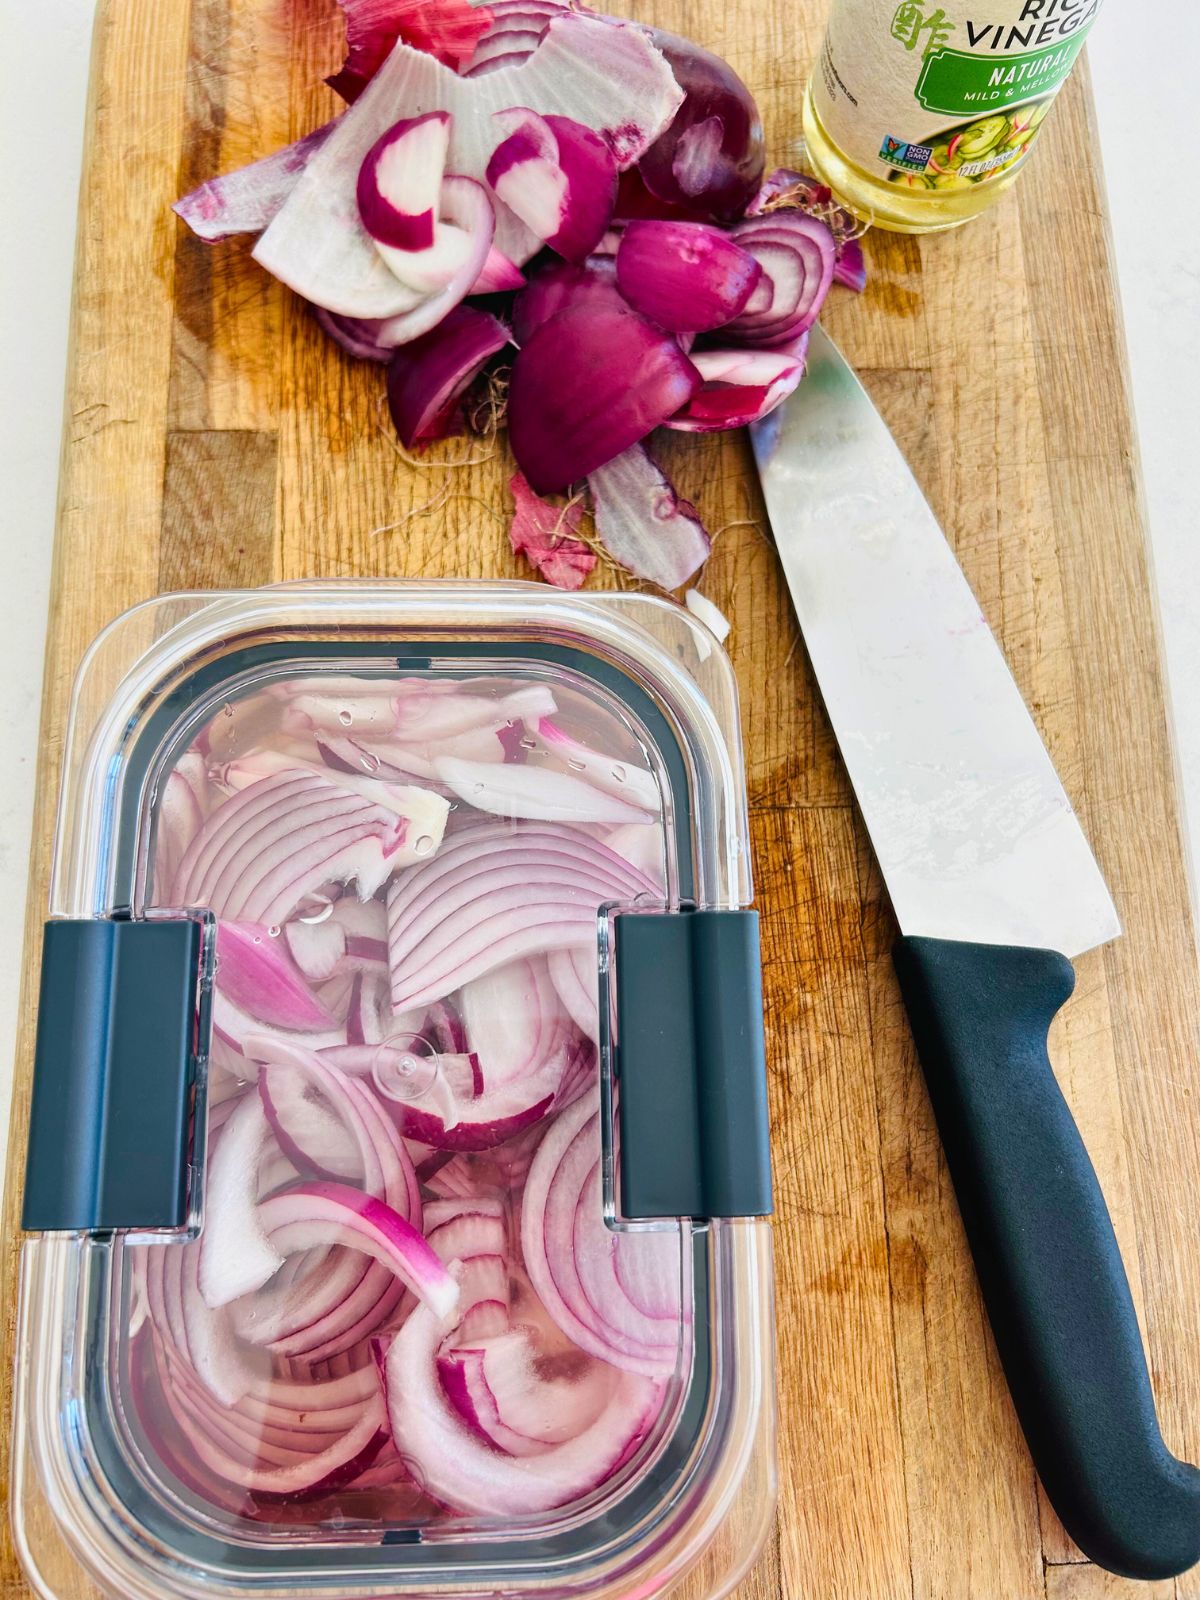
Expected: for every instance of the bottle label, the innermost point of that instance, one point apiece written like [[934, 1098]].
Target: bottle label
[[944, 96]]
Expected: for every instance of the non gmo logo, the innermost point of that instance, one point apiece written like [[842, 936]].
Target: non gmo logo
[[908, 157]]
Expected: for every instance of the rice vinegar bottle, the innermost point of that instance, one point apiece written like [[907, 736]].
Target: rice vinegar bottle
[[921, 114]]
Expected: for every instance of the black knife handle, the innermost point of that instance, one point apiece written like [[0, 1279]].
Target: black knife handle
[[1045, 1252]]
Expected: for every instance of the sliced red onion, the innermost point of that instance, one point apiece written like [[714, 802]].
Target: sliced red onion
[[359, 337], [178, 819], [574, 974], [535, 793], [317, 948], [563, 286], [494, 894], [235, 1254], [428, 376], [543, 534], [740, 387], [710, 159], [558, 176], [463, 1471], [713, 619], [588, 386], [685, 276], [400, 181], [245, 201], [446, 29], [500, 1389], [232, 1027], [609, 76], [259, 973], [264, 850], [513, 1020], [460, 1111], [796, 252], [642, 522], [620, 778], [417, 711], [312, 1215], [785, 189], [592, 1280], [498, 275], [850, 267], [514, 33]]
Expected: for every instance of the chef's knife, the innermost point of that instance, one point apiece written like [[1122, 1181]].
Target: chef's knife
[[995, 888]]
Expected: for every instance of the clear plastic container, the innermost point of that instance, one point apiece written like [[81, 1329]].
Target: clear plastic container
[[397, 1182]]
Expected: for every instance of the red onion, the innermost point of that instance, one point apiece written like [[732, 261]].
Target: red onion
[[592, 1280], [428, 376], [514, 33], [563, 287], [796, 253], [627, 782], [535, 793], [494, 894], [573, 974], [259, 974], [400, 181], [710, 159], [264, 850], [740, 387], [642, 522], [245, 201], [558, 176], [260, 1347], [610, 77], [316, 1214], [447, 29], [586, 387], [498, 275], [459, 1468], [235, 1254], [784, 189], [684, 276], [496, 1387]]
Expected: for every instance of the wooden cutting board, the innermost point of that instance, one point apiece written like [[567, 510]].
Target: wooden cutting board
[[215, 438]]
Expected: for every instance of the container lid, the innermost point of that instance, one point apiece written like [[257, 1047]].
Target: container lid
[[394, 1112]]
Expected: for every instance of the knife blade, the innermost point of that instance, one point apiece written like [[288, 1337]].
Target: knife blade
[[994, 887]]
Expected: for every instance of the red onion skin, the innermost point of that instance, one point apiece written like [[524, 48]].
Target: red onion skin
[[586, 387], [712, 88], [427, 378]]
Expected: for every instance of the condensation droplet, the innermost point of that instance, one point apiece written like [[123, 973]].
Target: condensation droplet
[[476, 788], [576, 765], [619, 774], [226, 710], [274, 931], [370, 761], [528, 744], [423, 845], [345, 718], [257, 939]]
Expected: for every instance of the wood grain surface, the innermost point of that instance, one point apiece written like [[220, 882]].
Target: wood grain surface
[[214, 437]]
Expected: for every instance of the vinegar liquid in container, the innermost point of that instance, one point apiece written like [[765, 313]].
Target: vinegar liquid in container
[[921, 115], [401, 1230]]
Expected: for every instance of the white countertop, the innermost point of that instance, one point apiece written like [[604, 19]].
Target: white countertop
[[1157, 244]]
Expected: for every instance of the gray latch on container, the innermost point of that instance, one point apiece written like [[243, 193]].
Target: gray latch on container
[[119, 1033], [690, 1066]]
